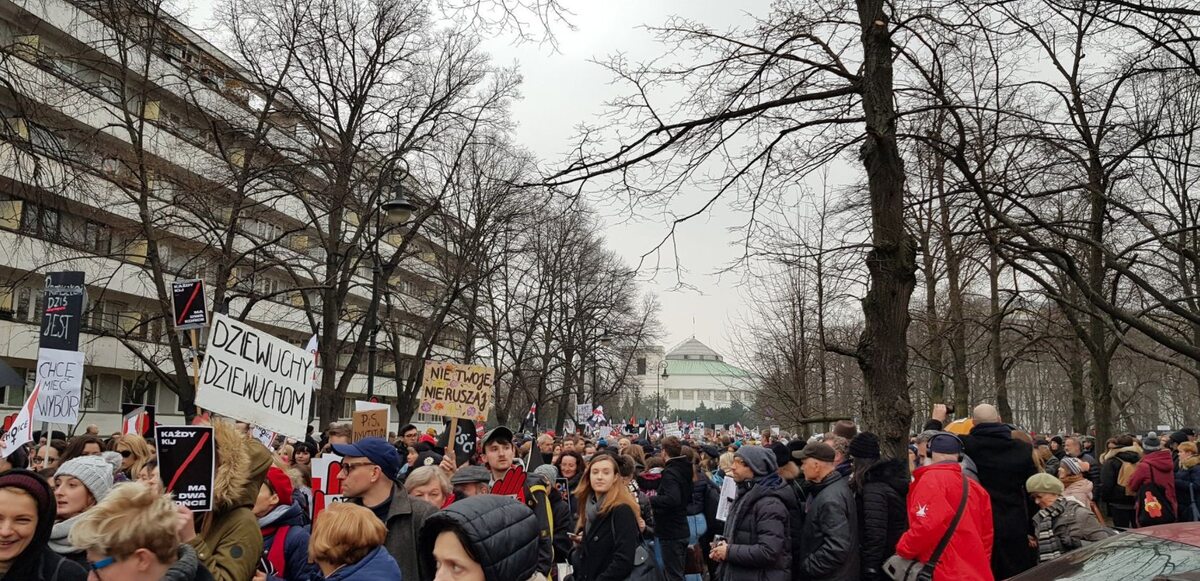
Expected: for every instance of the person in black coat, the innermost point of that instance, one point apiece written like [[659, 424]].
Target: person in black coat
[[829, 541], [498, 533], [881, 491], [787, 457], [27, 555], [607, 530], [756, 546], [670, 508]]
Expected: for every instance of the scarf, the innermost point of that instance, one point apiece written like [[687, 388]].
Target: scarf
[[272, 517], [592, 510], [58, 536], [185, 566], [1049, 547]]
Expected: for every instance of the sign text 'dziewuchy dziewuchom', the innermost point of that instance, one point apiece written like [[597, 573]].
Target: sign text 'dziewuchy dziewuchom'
[[254, 377]]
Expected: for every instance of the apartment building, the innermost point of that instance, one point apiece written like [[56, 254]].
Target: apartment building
[[119, 125]]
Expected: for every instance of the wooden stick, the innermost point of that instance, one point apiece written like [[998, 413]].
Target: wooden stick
[[195, 358]]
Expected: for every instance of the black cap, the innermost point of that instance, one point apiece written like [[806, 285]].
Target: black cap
[[498, 433], [817, 450]]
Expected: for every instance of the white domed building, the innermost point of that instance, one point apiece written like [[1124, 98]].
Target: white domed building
[[692, 374]]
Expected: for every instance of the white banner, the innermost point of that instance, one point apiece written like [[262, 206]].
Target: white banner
[[60, 375], [21, 430], [251, 376], [583, 412]]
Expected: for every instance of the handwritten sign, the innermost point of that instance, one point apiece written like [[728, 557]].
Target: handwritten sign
[[583, 412], [188, 303], [362, 406], [256, 378], [20, 432], [370, 423], [187, 462], [455, 390], [60, 375], [64, 299]]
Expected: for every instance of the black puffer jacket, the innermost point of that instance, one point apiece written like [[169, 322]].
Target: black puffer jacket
[[1004, 464], [829, 542], [882, 514], [758, 535], [670, 504], [502, 532]]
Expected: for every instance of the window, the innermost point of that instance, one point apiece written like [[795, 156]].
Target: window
[[689, 394], [641, 366], [23, 304], [38, 220], [14, 396], [143, 391]]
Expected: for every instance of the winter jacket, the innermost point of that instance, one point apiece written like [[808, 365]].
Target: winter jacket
[[404, 520], [1187, 489], [499, 531], [1004, 464], [1156, 466], [829, 541], [1110, 490], [758, 533], [1065, 526], [1080, 491], [37, 562], [794, 499], [670, 504], [882, 514], [933, 499], [187, 567], [606, 553], [378, 565], [561, 509], [229, 542], [295, 545]]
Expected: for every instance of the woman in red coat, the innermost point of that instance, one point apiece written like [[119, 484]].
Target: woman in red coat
[[1158, 467]]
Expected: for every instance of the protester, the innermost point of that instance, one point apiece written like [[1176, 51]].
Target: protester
[[934, 498], [830, 537], [841, 447], [1187, 483], [285, 537], [1045, 456], [131, 536], [1153, 481], [570, 467], [1118, 465], [409, 435], [149, 476], [757, 543], [134, 454], [302, 454], [17, 459], [54, 449], [470, 481], [1060, 525], [27, 512], [85, 445], [607, 527], [347, 543], [511, 480], [430, 484], [1074, 447], [880, 490], [670, 507], [1071, 472], [481, 538], [78, 485], [367, 470]]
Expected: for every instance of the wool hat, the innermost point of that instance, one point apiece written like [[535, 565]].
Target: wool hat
[[548, 473], [1179, 437], [711, 450], [945, 443], [1074, 466], [760, 460], [818, 451], [1045, 483], [94, 472], [782, 454], [1189, 432], [1151, 444], [281, 483], [865, 445]]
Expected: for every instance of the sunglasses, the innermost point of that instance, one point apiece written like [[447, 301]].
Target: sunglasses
[[125, 453]]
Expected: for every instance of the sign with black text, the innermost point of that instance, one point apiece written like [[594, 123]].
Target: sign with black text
[[65, 296], [465, 441], [369, 424], [251, 376], [60, 382], [187, 462], [188, 301]]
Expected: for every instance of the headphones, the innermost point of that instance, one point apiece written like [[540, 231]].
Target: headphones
[[929, 444]]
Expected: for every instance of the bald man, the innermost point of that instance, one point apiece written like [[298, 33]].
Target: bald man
[[1003, 463]]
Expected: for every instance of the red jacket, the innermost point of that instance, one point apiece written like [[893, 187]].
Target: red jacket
[[932, 501], [1163, 467]]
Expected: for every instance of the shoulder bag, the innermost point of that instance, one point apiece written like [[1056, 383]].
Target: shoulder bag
[[901, 569]]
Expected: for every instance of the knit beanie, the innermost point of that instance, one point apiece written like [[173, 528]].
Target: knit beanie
[[547, 472], [93, 471], [782, 454], [760, 460], [1179, 437], [865, 445], [1073, 466], [1042, 482], [1151, 444]]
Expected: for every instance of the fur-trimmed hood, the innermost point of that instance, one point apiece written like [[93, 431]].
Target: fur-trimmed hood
[[241, 468]]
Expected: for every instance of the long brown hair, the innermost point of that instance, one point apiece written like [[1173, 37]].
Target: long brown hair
[[617, 495]]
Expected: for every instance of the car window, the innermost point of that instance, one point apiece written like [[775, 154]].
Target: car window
[[1127, 557]]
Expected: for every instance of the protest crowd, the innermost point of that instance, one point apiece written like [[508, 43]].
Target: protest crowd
[[975, 499]]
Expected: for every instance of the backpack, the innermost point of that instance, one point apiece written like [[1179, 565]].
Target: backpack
[[1123, 476], [1153, 506]]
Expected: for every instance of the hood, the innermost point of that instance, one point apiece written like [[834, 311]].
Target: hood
[[649, 480], [378, 564], [760, 460], [923, 471], [501, 532], [290, 515], [1082, 485], [893, 473], [992, 430], [1160, 460], [241, 468], [186, 566], [1128, 454]]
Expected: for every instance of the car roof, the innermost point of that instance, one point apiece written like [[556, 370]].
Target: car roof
[[1186, 533]]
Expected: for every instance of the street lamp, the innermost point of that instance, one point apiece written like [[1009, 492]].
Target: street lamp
[[662, 367], [399, 211]]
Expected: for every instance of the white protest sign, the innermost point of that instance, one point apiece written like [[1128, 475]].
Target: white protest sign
[[728, 495], [21, 430], [60, 375], [251, 376], [363, 406], [583, 412]]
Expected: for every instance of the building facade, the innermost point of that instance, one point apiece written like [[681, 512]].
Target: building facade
[[695, 375]]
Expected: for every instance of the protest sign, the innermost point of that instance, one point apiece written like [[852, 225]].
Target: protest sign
[[326, 487], [728, 495], [583, 412], [187, 462], [20, 431], [64, 299], [362, 406], [267, 437], [189, 305], [465, 440], [774, 430], [370, 423], [60, 375], [137, 419], [455, 390], [605, 431], [256, 378]]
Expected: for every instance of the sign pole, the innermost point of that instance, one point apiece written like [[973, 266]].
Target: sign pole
[[195, 358], [452, 437], [46, 451]]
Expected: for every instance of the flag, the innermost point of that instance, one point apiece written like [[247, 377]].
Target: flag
[[21, 431], [529, 424], [137, 421]]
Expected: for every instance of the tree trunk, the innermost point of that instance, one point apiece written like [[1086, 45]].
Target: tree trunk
[[995, 329], [883, 347], [1079, 421]]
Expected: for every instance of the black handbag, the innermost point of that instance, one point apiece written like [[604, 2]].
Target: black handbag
[[901, 569], [645, 568]]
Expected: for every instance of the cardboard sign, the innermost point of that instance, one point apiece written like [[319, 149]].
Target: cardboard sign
[[256, 378], [65, 296], [187, 462], [188, 303], [60, 375], [583, 412], [138, 419], [326, 487], [454, 390], [466, 442], [362, 406], [20, 432], [370, 423]]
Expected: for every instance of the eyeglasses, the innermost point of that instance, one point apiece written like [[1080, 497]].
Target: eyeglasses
[[348, 468], [96, 566], [125, 453]]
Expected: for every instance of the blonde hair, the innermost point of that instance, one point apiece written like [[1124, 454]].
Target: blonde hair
[[138, 447], [1189, 447], [426, 474], [131, 517], [617, 495], [344, 533]]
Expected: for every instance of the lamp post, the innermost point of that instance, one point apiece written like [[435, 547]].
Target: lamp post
[[662, 368], [398, 211]]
